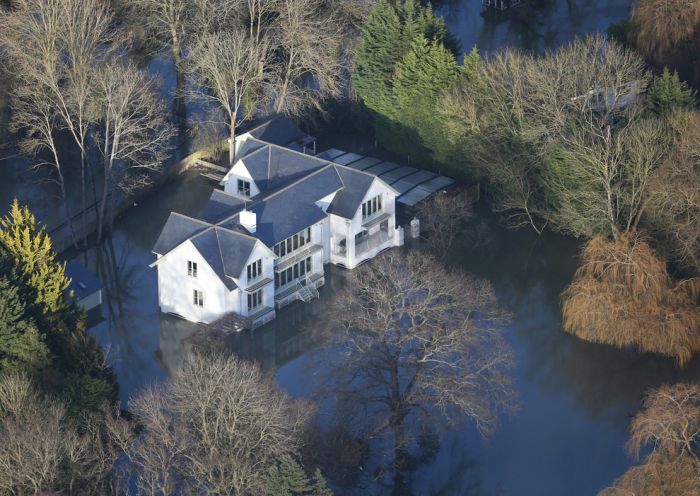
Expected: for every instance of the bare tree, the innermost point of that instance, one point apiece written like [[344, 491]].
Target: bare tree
[[674, 209], [42, 449], [670, 424], [134, 133], [226, 70], [550, 141], [55, 46], [623, 295], [415, 345], [442, 218], [308, 37], [215, 429]]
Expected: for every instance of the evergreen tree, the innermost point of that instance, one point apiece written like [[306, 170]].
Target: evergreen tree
[[668, 92], [287, 478], [31, 253], [422, 76], [22, 348], [376, 57]]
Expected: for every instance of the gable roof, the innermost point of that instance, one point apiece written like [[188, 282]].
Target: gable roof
[[279, 130], [225, 251], [272, 166], [177, 229], [355, 187], [293, 208], [220, 206]]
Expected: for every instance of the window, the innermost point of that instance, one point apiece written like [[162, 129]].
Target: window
[[254, 270], [293, 243], [192, 269], [296, 271], [371, 207], [198, 298], [255, 299], [243, 187]]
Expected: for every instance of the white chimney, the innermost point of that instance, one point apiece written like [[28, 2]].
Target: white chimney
[[248, 220]]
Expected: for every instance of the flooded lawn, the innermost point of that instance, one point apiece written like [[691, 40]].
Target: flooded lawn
[[575, 398]]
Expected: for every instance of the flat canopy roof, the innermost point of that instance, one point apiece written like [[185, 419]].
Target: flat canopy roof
[[414, 185]]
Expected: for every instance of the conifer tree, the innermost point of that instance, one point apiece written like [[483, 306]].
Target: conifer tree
[[422, 76], [668, 92], [22, 348], [31, 253], [287, 478], [377, 55]]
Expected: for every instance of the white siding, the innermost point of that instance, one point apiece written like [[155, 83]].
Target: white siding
[[259, 252], [176, 288], [230, 180]]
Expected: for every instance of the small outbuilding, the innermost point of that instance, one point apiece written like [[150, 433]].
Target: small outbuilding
[[86, 287]]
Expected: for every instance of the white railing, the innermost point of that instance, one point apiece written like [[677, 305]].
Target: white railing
[[371, 241]]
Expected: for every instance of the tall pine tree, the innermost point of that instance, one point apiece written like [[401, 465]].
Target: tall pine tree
[[668, 92]]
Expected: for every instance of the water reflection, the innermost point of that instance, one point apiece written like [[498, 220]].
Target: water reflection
[[534, 25]]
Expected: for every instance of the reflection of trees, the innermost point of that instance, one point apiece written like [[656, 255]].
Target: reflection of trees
[[129, 309], [528, 273]]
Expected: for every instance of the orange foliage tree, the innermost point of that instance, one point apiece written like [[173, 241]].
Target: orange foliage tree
[[623, 295], [670, 423]]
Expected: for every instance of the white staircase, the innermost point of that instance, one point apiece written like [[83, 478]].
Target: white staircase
[[306, 292]]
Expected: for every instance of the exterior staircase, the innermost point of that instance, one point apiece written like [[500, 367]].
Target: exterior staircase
[[306, 292]]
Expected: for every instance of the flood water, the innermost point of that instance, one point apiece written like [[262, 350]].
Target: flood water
[[576, 399]]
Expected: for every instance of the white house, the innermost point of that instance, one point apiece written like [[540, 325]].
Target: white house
[[262, 242]]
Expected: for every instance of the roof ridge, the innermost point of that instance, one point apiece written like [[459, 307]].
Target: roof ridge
[[314, 157], [285, 188], [221, 255], [192, 218], [245, 235]]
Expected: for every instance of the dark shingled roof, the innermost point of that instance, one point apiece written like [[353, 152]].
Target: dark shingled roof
[[272, 166], [83, 282], [355, 186], [249, 146], [225, 251], [220, 206], [177, 229], [291, 209], [279, 131]]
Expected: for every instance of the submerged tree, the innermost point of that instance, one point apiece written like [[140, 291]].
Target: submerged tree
[[134, 134], [661, 27], [669, 423], [226, 70], [623, 295], [414, 346], [307, 69], [217, 428], [443, 217]]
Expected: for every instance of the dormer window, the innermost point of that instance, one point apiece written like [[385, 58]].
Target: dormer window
[[371, 207], [244, 188], [254, 270], [192, 269]]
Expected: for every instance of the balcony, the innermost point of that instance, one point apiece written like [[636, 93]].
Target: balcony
[[371, 241], [296, 256]]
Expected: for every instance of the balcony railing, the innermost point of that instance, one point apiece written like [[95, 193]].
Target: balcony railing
[[371, 241]]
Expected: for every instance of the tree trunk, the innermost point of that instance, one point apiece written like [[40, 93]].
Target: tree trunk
[[282, 97], [232, 141]]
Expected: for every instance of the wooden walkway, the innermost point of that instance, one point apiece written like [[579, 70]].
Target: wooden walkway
[[211, 171]]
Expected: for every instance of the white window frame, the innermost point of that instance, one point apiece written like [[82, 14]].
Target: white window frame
[[198, 298], [255, 299], [192, 269], [254, 270], [243, 187]]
